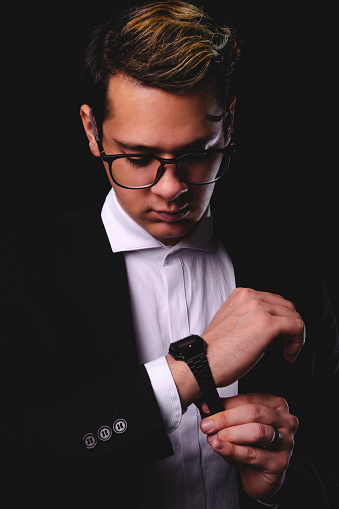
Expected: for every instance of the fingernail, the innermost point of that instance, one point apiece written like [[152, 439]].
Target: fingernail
[[207, 426], [218, 445], [210, 438]]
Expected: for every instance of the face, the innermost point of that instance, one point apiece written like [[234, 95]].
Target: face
[[150, 120]]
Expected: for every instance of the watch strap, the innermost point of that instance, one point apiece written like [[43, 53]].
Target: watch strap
[[202, 372]]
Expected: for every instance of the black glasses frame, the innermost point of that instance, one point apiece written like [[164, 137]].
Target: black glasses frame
[[227, 151]]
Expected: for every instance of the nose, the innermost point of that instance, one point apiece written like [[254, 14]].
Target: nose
[[170, 186]]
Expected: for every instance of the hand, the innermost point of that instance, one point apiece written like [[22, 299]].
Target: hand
[[240, 434], [243, 328]]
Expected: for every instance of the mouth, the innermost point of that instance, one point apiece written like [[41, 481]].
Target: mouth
[[171, 217]]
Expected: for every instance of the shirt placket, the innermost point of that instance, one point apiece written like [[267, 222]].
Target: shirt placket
[[177, 305], [188, 432]]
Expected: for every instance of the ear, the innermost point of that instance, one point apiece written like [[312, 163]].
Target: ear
[[86, 122]]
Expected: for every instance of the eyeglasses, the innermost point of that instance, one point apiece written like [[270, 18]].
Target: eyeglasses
[[140, 171]]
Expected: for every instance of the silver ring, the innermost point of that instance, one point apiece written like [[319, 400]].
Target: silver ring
[[274, 443]]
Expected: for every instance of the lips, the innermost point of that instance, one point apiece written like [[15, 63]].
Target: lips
[[171, 217]]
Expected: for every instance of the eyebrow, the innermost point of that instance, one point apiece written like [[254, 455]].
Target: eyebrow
[[199, 142]]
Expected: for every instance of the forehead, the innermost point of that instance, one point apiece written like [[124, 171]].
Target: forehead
[[156, 117]]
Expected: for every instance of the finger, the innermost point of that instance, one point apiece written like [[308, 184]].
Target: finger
[[250, 413], [270, 298], [293, 346], [291, 331], [240, 455], [252, 398], [246, 414], [255, 434], [255, 398]]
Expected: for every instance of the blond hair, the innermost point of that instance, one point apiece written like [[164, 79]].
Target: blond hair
[[170, 45]]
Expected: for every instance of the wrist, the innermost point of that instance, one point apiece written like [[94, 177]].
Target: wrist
[[221, 372], [186, 383], [214, 364]]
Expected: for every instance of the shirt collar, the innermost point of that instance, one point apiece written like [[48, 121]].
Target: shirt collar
[[125, 234]]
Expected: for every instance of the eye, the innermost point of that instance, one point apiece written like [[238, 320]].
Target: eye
[[199, 156], [196, 158], [140, 162]]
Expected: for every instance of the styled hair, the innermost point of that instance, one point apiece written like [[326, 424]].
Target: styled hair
[[169, 45]]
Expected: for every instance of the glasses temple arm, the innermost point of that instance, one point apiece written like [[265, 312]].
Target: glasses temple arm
[[95, 132]]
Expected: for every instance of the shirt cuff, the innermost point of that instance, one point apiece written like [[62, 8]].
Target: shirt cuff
[[165, 392]]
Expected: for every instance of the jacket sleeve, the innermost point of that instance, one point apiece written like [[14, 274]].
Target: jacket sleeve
[[61, 398], [311, 389], [313, 476]]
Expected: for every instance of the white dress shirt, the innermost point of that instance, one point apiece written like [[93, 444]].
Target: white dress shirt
[[175, 291]]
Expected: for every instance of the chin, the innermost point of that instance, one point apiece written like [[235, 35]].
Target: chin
[[170, 235]]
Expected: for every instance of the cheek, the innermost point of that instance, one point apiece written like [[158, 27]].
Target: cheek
[[108, 174], [201, 196], [132, 201]]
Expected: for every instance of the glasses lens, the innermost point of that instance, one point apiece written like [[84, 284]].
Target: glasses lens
[[197, 168], [203, 167], [138, 171]]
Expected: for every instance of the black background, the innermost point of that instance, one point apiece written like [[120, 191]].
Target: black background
[[285, 172]]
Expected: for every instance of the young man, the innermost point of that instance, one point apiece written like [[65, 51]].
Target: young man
[[99, 384]]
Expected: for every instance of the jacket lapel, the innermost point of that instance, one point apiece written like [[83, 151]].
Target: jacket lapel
[[101, 275]]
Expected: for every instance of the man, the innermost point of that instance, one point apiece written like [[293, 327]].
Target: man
[[96, 408]]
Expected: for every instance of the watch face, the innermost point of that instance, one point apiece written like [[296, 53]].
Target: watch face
[[187, 348], [189, 342]]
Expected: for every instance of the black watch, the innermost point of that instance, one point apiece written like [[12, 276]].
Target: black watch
[[192, 350]]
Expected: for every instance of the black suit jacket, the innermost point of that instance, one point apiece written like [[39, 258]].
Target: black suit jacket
[[69, 366]]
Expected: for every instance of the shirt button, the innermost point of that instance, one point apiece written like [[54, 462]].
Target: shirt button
[[89, 441], [104, 433], [120, 426]]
